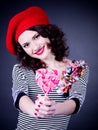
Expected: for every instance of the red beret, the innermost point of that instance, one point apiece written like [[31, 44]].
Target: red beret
[[29, 17]]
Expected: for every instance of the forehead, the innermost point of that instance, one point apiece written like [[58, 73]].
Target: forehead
[[26, 35]]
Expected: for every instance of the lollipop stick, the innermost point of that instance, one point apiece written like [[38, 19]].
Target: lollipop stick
[[47, 91], [45, 94]]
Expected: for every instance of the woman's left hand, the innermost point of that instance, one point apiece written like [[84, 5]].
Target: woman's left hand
[[45, 107]]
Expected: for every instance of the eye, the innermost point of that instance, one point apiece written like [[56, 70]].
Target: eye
[[36, 36], [25, 45]]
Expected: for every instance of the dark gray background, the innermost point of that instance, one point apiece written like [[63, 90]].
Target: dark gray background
[[78, 19]]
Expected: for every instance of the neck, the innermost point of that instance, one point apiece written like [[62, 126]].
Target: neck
[[50, 61], [54, 64]]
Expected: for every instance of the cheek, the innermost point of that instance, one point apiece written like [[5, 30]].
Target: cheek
[[27, 51], [45, 40], [48, 45]]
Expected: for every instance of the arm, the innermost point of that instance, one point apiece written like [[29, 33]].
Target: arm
[[65, 108], [26, 105], [20, 91], [76, 97]]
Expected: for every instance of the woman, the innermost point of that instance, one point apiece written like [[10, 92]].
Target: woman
[[47, 86]]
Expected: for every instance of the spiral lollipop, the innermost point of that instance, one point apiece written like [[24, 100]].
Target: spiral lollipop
[[47, 80]]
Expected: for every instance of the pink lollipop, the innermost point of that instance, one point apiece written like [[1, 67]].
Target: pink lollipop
[[47, 79]]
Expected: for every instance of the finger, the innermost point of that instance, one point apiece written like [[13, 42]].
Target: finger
[[47, 102], [48, 110], [43, 112]]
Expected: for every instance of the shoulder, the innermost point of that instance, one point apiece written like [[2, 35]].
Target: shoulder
[[16, 66], [76, 63], [81, 64], [19, 69], [78, 68], [81, 69]]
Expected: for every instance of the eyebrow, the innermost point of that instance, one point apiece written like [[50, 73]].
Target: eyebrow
[[25, 43]]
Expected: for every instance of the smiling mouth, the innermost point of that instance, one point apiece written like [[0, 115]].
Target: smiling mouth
[[40, 51]]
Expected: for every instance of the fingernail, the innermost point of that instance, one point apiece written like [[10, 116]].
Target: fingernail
[[38, 105], [40, 102], [35, 113], [36, 98], [36, 109]]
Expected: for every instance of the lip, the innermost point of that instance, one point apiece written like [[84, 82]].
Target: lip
[[40, 51]]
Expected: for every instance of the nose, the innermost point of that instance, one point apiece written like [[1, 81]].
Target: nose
[[35, 47]]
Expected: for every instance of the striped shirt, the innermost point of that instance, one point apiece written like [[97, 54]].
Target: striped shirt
[[24, 81]]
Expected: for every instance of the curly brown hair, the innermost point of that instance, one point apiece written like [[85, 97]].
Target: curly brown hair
[[57, 44]]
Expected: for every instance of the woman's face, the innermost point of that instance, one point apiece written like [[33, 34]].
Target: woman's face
[[34, 44]]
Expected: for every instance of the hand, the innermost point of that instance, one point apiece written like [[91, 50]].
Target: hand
[[44, 107]]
